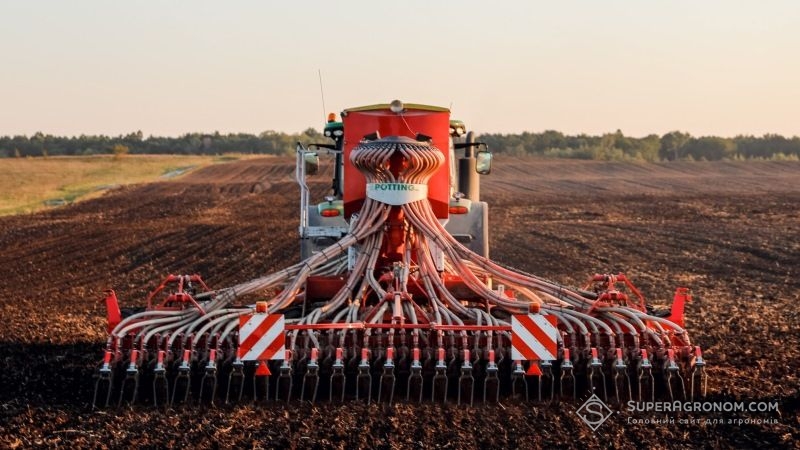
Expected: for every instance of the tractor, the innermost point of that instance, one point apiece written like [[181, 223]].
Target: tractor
[[395, 299]]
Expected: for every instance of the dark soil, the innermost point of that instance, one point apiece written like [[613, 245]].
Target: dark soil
[[729, 231]]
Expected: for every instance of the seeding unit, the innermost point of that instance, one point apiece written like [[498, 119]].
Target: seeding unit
[[395, 293]]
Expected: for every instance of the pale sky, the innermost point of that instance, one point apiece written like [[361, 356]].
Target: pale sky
[[171, 67]]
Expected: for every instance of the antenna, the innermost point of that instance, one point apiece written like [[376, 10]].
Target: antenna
[[322, 94]]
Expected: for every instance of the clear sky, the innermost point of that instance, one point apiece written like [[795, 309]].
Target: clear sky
[[171, 67]]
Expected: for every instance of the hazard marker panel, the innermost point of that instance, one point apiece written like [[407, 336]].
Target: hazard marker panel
[[261, 337], [534, 337]]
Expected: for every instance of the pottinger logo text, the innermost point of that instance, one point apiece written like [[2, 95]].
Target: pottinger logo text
[[393, 187], [397, 193]]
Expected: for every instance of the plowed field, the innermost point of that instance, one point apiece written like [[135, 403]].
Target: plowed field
[[729, 231]]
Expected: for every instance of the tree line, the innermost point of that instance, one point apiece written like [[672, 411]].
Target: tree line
[[268, 143], [616, 146], [671, 146]]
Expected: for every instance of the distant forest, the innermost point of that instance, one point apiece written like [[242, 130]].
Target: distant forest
[[550, 144]]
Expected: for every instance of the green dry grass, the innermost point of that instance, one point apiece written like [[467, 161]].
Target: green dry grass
[[32, 184]]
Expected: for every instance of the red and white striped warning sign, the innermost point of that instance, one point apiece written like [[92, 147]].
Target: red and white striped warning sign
[[261, 337], [534, 337]]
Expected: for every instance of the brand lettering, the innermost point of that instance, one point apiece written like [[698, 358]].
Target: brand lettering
[[394, 187], [397, 193]]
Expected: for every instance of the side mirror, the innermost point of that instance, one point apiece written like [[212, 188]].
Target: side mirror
[[311, 161], [483, 162]]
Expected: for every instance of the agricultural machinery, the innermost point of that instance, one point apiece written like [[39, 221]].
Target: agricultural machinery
[[395, 298]]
